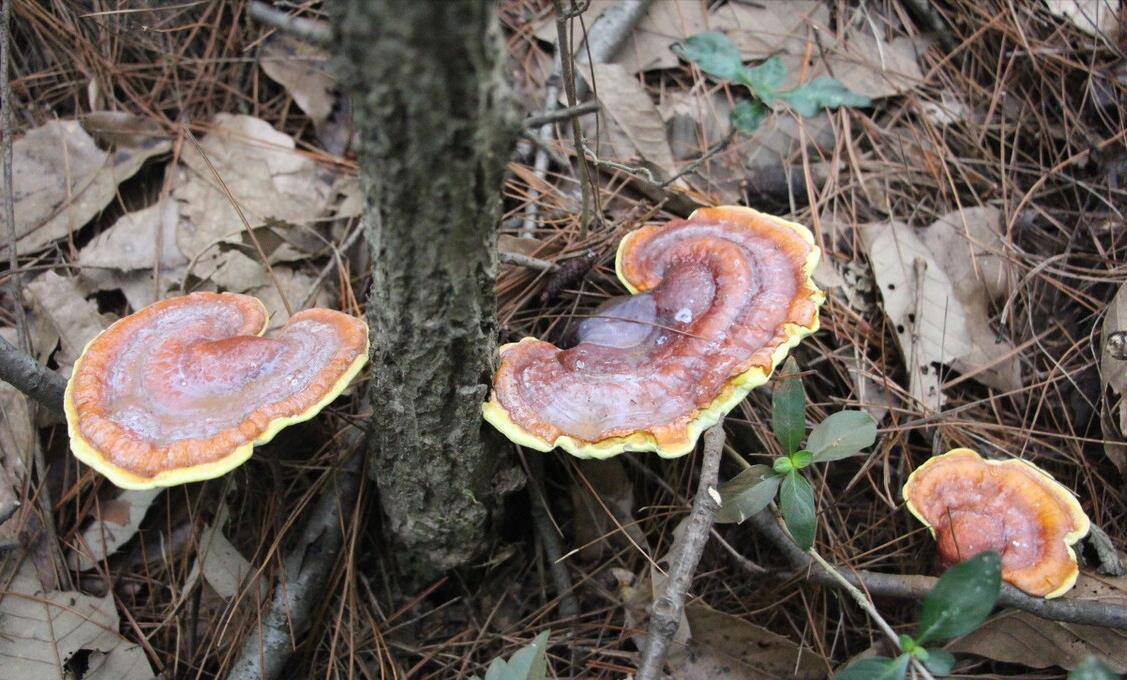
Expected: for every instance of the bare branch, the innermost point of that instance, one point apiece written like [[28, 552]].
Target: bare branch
[[665, 617], [310, 30], [915, 587]]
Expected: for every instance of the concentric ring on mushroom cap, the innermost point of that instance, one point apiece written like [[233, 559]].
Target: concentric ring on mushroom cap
[[718, 301], [184, 389], [1009, 506]]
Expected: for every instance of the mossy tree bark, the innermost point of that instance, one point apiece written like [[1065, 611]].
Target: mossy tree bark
[[436, 128]]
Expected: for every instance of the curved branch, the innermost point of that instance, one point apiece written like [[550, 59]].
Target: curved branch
[[31, 377], [915, 587]]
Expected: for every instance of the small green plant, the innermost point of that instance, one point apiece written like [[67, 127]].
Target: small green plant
[[719, 57], [959, 603], [841, 435], [527, 663]]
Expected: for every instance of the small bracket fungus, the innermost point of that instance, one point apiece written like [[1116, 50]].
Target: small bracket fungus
[[183, 390], [717, 302], [1009, 506]]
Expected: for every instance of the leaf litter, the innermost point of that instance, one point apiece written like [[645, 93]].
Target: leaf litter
[[925, 155]]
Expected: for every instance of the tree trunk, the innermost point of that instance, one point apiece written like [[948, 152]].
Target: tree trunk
[[436, 129]]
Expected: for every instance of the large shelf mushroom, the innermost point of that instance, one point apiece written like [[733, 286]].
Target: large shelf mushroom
[[717, 302], [1011, 507], [184, 389]]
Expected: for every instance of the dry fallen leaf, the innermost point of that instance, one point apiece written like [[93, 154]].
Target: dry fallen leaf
[[969, 245], [116, 522], [768, 27], [41, 631], [933, 324], [265, 173], [62, 301], [1113, 374], [131, 243], [304, 71], [61, 179], [648, 47], [222, 565], [1095, 17], [630, 108], [1029, 640], [726, 646], [710, 644]]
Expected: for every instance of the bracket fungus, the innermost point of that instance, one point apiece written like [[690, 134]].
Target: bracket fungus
[[716, 303], [182, 390], [1009, 506]]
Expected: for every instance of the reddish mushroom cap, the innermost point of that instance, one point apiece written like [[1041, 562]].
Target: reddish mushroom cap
[[719, 299], [1009, 506], [183, 390]]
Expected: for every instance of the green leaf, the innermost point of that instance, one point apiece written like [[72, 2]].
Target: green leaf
[[876, 668], [1092, 668], [528, 663], [841, 435], [962, 599], [747, 115], [939, 661], [801, 459], [788, 407], [796, 501], [907, 643], [822, 93], [747, 493], [714, 53], [765, 79]]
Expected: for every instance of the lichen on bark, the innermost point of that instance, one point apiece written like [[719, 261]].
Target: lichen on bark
[[436, 127]]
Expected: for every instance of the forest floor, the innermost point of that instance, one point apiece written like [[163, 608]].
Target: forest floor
[[980, 186]]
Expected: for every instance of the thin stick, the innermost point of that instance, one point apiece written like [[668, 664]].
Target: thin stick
[[307, 567], [25, 369], [528, 261], [311, 30], [27, 375], [606, 36], [567, 69], [561, 115], [916, 587], [866, 604], [665, 616]]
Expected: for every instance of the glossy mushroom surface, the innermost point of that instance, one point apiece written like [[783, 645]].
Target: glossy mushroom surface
[[717, 302], [1011, 507], [185, 388]]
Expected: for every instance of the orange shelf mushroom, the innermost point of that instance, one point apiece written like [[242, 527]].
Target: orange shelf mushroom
[[717, 302], [1009, 506], [184, 389]]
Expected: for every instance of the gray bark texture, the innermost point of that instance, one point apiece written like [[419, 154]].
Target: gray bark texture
[[437, 127]]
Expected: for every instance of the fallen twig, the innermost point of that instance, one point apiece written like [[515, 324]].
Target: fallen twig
[[561, 115], [310, 30], [528, 261], [567, 70], [306, 569], [665, 615], [27, 375], [604, 39], [916, 587]]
